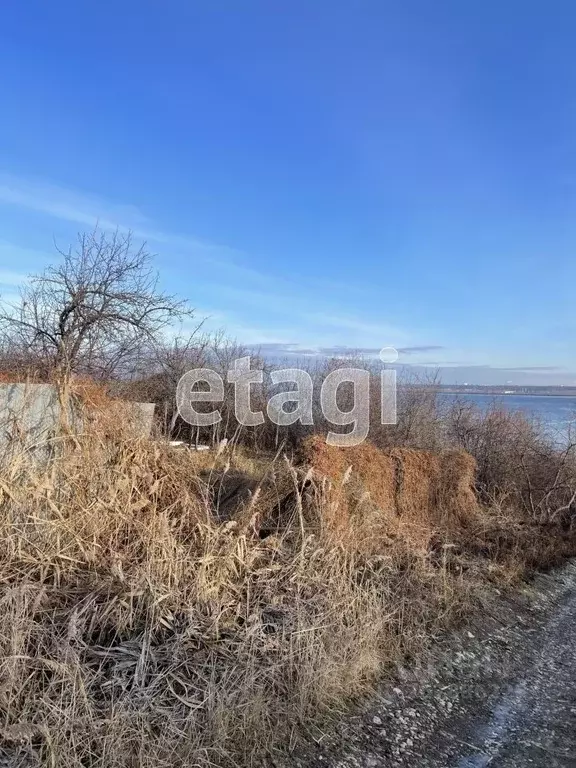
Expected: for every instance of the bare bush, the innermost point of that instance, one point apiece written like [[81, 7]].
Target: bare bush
[[93, 312], [517, 459]]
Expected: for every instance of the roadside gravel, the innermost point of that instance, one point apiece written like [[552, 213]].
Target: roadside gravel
[[501, 692]]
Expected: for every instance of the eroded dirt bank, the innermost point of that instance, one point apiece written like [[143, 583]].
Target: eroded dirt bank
[[501, 692]]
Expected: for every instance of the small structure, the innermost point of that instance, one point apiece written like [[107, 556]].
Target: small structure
[[30, 413]]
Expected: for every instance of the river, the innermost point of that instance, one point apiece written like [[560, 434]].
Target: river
[[556, 414]]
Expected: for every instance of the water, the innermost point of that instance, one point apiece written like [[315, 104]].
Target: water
[[555, 414]]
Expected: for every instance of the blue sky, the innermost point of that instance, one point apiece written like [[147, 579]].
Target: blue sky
[[313, 174]]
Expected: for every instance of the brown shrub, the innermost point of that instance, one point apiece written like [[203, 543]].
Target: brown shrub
[[456, 495], [517, 460], [378, 495]]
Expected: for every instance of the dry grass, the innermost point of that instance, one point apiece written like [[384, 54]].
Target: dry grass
[[376, 497], [140, 631]]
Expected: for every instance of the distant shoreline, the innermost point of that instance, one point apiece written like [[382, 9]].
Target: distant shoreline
[[449, 391]]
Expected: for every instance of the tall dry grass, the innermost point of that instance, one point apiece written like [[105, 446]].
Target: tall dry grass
[[140, 630]]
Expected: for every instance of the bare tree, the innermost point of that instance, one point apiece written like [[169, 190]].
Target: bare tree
[[165, 364], [93, 312]]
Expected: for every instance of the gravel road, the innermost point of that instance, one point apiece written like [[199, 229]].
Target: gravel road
[[533, 719], [501, 693]]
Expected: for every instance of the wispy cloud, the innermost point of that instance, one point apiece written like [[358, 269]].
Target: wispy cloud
[[89, 210], [419, 350], [66, 204], [283, 349], [382, 330], [12, 279], [10, 282], [293, 349], [339, 350], [248, 291], [535, 368], [28, 259]]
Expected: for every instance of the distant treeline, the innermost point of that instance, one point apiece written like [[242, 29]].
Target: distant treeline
[[506, 389]]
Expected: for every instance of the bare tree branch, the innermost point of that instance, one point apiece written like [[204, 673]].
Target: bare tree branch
[[94, 310]]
